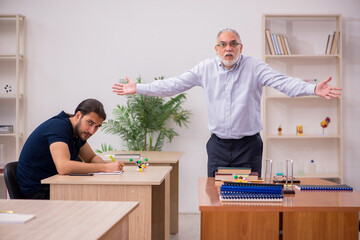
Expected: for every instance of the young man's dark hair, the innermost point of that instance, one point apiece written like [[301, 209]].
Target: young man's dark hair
[[91, 105]]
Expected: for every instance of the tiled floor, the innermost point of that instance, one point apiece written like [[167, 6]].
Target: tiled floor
[[189, 227]]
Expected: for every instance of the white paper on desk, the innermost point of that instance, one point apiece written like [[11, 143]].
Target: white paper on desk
[[108, 173], [15, 217]]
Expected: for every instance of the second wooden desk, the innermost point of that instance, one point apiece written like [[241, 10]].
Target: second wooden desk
[[150, 220], [161, 158]]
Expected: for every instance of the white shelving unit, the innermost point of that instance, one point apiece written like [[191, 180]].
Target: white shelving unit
[[12, 72], [307, 36]]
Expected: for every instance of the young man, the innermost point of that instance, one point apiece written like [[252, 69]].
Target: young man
[[233, 86], [53, 147]]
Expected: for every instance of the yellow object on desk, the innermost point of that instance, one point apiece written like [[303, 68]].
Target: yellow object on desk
[[112, 158]]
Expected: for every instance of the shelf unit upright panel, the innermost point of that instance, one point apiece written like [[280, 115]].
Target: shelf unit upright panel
[[13, 73], [307, 36]]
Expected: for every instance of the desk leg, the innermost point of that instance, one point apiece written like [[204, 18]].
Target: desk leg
[[174, 198], [320, 225], [120, 231], [161, 209]]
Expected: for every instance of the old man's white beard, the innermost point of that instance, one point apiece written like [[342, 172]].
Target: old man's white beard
[[229, 63]]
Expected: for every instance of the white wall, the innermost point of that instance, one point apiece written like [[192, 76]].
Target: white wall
[[78, 49]]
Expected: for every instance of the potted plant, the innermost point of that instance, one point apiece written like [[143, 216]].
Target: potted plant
[[142, 123]]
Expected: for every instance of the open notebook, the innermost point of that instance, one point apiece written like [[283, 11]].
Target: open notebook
[[15, 217], [108, 173]]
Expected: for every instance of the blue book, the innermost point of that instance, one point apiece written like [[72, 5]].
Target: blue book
[[342, 187]]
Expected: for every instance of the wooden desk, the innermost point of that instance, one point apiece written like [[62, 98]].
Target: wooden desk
[[163, 158], [305, 215], [68, 219], [150, 188]]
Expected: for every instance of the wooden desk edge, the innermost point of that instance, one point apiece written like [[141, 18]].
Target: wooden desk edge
[[208, 202], [65, 179], [147, 154]]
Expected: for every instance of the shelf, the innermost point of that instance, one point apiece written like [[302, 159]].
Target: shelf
[[305, 136], [302, 16], [307, 35], [10, 135], [284, 97], [10, 95], [14, 16], [302, 56], [10, 56]]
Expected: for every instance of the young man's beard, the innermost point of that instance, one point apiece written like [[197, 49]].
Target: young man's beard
[[78, 133]]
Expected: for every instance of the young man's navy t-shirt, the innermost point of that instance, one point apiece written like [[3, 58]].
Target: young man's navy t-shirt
[[35, 161]]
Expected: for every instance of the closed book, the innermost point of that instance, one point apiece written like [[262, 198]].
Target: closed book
[[234, 170], [342, 187], [331, 38], [269, 42], [273, 38], [287, 45], [283, 45], [228, 177], [253, 176], [335, 43], [279, 44], [327, 45]]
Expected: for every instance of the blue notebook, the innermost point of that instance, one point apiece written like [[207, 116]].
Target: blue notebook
[[342, 187]]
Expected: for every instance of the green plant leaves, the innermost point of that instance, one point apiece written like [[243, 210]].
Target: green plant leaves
[[143, 122]]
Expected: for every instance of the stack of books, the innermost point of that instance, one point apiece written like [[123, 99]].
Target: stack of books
[[250, 192], [332, 43], [230, 174], [278, 44]]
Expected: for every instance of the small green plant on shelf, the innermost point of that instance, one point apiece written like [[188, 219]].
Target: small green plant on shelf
[[142, 123]]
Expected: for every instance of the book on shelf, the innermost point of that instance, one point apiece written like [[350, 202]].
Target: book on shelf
[[269, 42], [328, 43], [283, 45], [328, 46], [335, 43], [278, 44], [273, 38], [287, 45], [332, 43], [234, 170]]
